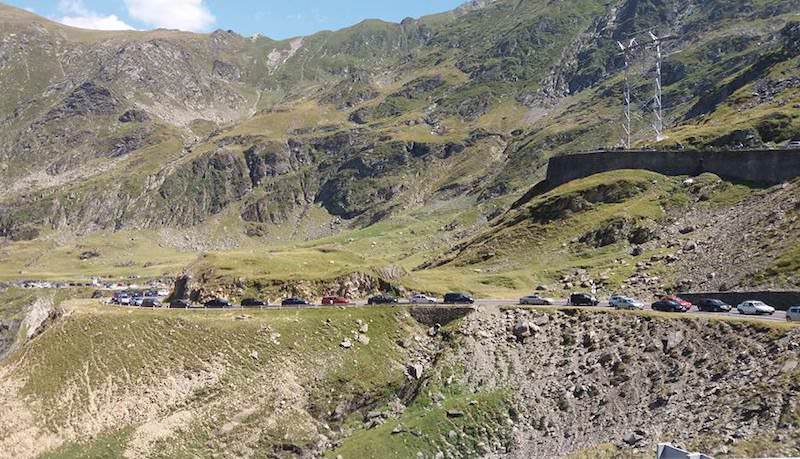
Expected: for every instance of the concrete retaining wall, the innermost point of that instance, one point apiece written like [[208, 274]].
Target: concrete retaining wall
[[769, 167], [442, 315], [778, 299]]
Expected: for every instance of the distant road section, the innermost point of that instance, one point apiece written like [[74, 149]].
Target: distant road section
[[778, 316]]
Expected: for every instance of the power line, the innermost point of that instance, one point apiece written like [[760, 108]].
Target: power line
[[655, 44], [626, 51]]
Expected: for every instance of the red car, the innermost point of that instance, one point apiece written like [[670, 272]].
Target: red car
[[335, 300], [686, 305]]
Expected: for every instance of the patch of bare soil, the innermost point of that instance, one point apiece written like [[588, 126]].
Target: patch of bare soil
[[20, 435]]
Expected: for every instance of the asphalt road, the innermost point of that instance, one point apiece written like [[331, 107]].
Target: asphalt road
[[777, 316]]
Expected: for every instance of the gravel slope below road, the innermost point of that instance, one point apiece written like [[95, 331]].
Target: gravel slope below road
[[583, 379]]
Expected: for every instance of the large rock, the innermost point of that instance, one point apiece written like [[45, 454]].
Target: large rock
[[416, 370], [420, 87], [86, 99], [522, 329], [134, 115], [269, 159], [226, 71]]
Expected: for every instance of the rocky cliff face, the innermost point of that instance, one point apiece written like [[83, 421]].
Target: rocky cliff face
[[632, 381]]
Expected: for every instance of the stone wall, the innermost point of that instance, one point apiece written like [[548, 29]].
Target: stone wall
[[768, 167], [778, 299], [442, 315]]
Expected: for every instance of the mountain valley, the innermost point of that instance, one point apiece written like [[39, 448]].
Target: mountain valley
[[405, 158]]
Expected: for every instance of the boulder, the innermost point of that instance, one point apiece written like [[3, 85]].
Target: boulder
[[415, 370], [633, 438], [134, 115], [522, 329]]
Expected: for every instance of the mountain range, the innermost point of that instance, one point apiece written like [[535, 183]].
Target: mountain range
[[196, 143], [399, 158]]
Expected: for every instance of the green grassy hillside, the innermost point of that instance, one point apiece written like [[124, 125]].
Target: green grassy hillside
[[104, 381]]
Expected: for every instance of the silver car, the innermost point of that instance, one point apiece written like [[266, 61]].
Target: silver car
[[536, 300], [755, 308], [421, 299], [793, 314], [629, 304]]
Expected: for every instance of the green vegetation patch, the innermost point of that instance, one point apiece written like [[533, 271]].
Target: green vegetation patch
[[104, 446], [101, 354], [467, 424]]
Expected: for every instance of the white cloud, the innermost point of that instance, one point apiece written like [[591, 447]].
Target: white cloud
[[77, 15], [190, 15], [110, 22]]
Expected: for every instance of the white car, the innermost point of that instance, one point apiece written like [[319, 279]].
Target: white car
[[755, 308], [421, 299], [536, 300], [793, 145], [629, 304], [793, 314]]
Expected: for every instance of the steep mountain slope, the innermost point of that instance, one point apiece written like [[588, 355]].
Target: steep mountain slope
[[533, 68], [642, 233], [192, 142]]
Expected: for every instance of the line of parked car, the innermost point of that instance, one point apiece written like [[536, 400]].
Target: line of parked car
[[676, 304], [670, 303], [380, 299], [143, 299]]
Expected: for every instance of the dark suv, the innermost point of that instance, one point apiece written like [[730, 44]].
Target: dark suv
[[180, 304], [218, 303], [666, 305], [151, 303], [582, 299], [253, 303], [712, 305], [458, 298], [294, 302], [382, 299]]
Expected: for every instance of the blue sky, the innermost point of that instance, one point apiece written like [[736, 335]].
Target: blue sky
[[273, 18]]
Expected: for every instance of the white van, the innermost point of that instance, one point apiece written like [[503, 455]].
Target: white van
[[793, 314]]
